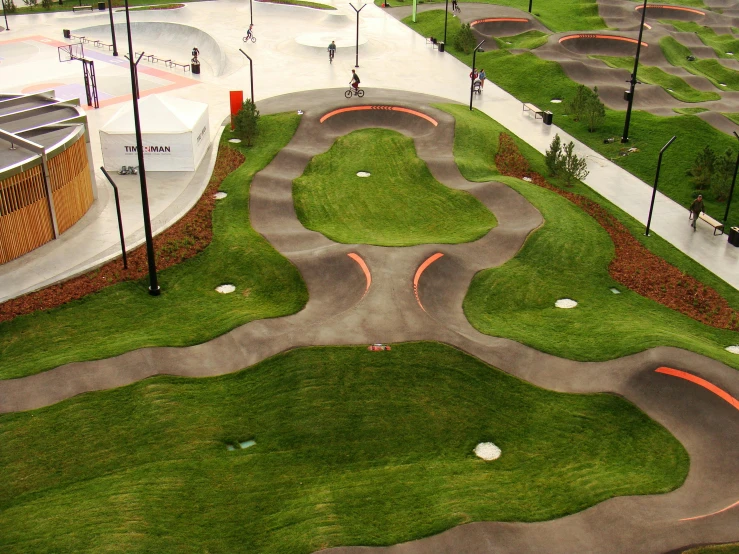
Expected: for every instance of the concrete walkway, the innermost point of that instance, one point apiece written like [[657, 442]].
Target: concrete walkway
[[390, 56]]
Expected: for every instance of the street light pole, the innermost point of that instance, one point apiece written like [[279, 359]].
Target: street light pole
[[5, 14], [656, 179], [356, 62], [633, 81], [446, 16], [251, 74], [112, 27], [153, 283], [731, 191], [472, 75], [530, 2], [251, 14]]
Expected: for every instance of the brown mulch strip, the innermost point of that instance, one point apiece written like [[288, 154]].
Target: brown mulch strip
[[181, 241], [633, 265]]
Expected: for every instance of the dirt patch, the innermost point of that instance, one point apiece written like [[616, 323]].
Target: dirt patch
[[633, 265], [181, 241]]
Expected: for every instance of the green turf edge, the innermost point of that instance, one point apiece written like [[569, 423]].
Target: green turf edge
[[715, 549], [352, 447], [124, 317], [516, 300]]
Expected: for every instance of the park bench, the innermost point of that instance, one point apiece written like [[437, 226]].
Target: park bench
[[531, 108], [78, 8], [717, 225]]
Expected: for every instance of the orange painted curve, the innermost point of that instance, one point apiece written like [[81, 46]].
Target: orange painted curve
[[419, 271], [700, 382], [601, 37], [386, 108], [713, 513], [357, 258], [496, 19], [663, 7]]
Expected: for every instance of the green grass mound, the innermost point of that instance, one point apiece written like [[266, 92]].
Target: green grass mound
[[722, 77], [721, 44], [124, 317], [529, 40], [568, 257], [717, 549], [673, 84], [689, 111], [352, 447], [399, 204]]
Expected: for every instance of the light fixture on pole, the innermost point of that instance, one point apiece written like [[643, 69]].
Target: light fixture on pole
[[251, 74], [153, 283], [356, 61], [656, 179], [472, 75], [731, 191], [633, 81], [112, 27]]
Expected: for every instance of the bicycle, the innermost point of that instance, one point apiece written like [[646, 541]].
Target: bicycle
[[331, 54], [249, 37], [354, 91]]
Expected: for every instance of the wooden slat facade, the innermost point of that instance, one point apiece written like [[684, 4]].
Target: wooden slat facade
[[25, 221]]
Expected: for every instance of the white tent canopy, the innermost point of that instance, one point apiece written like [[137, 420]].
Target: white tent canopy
[[174, 133]]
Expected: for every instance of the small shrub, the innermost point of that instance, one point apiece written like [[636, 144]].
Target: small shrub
[[703, 166], [572, 166], [464, 40], [46, 4], [595, 110], [723, 173], [553, 156], [245, 122]]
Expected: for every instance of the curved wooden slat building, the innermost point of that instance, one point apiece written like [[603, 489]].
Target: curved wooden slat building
[[45, 176]]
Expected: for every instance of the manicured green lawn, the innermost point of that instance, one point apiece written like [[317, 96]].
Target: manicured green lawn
[[720, 549], [562, 15], [530, 40], [651, 75], [189, 311], [352, 447], [721, 44], [399, 204], [22, 9], [647, 132], [690, 111], [568, 258], [722, 77]]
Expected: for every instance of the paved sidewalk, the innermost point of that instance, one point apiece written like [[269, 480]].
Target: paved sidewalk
[[391, 56]]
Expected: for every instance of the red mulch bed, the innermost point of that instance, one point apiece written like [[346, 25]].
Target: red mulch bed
[[633, 265], [181, 241]]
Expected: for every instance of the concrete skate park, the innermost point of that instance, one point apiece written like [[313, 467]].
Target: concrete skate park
[[259, 420]]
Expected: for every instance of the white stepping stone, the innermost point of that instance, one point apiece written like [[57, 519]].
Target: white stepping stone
[[225, 289], [565, 303], [487, 451]]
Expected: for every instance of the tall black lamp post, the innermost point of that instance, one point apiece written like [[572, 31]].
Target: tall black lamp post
[[633, 81], [153, 283], [733, 182], [112, 28], [356, 62], [472, 75], [656, 179], [530, 2], [251, 14], [5, 14], [251, 74], [446, 16]]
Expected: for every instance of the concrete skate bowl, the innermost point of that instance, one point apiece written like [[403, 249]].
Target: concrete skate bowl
[[168, 39], [607, 45], [411, 122], [502, 26], [662, 11]]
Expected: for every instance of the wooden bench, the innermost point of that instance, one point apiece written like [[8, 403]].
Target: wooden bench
[[531, 108], [717, 225], [77, 8]]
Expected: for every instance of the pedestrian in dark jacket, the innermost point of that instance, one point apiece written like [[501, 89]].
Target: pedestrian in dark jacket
[[696, 208]]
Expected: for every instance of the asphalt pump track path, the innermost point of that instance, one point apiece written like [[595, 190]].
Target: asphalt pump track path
[[348, 305]]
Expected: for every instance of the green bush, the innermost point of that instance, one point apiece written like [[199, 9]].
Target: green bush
[[702, 169], [553, 156], [723, 172], [464, 40], [46, 4], [245, 122]]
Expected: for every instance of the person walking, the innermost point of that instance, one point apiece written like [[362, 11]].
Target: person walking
[[454, 7], [482, 78], [473, 74], [696, 208]]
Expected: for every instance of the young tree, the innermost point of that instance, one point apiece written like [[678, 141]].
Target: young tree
[[245, 122], [576, 106], [464, 40], [46, 4], [553, 156], [723, 173], [573, 167], [703, 166], [594, 110]]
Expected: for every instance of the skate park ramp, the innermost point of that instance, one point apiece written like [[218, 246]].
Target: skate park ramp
[[411, 122], [502, 26], [662, 11], [600, 44], [169, 40]]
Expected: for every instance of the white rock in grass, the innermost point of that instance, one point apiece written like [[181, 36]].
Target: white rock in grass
[[556, 101], [487, 451], [734, 348], [225, 289], [363, 173], [234, 140], [220, 195], [565, 303]]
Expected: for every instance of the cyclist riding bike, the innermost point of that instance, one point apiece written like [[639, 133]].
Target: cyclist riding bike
[[248, 32], [331, 51]]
